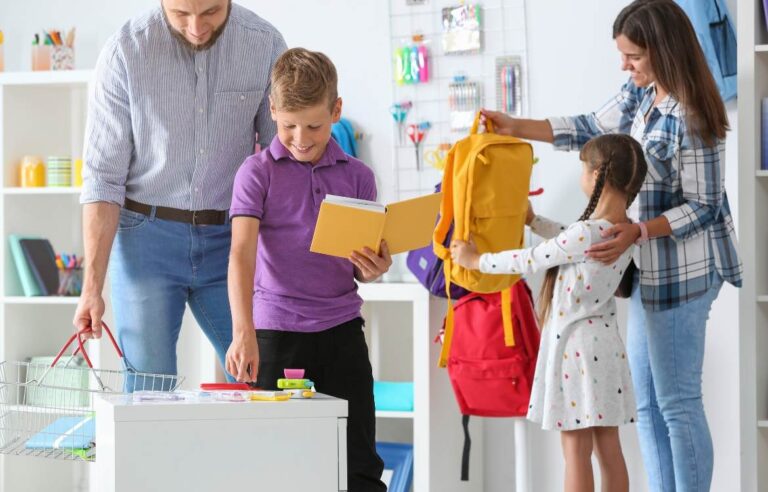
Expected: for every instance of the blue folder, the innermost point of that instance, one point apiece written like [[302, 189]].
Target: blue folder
[[66, 433]]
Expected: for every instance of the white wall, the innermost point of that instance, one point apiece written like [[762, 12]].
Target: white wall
[[573, 67]]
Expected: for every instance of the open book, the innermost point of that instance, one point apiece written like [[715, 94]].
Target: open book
[[348, 224]]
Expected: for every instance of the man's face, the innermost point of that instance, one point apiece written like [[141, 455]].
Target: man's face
[[198, 23]]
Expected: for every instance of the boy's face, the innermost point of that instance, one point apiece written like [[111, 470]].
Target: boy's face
[[305, 132]]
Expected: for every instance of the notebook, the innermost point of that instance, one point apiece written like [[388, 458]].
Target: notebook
[[42, 262], [66, 433], [348, 224], [26, 278]]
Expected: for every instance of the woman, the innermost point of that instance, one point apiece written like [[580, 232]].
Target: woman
[[682, 223]]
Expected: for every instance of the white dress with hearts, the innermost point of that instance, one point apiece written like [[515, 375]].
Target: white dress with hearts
[[582, 375]]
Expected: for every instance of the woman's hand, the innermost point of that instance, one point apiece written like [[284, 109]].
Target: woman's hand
[[607, 252], [502, 124], [242, 360], [368, 265], [465, 254]]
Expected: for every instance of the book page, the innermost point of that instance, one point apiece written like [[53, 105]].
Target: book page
[[355, 202], [410, 223]]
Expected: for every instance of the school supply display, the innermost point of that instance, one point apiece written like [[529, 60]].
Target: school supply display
[[461, 29], [412, 62], [346, 224], [464, 102], [399, 113], [393, 396], [489, 377], [485, 197], [47, 409], [509, 93], [417, 133]]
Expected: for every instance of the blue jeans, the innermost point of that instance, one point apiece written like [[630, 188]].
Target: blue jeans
[[666, 354], [157, 267]]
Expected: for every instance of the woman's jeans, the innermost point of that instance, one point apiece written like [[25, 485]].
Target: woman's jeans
[[666, 354]]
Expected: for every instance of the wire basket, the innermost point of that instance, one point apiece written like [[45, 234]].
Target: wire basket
[[46, 410]]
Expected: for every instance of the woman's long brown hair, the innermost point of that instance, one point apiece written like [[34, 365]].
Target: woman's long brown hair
[[663, 29], [620, 164]]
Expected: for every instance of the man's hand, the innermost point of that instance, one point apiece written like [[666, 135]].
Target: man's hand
[[465, 254], [89, 312], [368, 265], [624, 236], [242, 360]]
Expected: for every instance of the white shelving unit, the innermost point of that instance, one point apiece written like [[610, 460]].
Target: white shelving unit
[[753, 236], [41, 113], [392, 312]]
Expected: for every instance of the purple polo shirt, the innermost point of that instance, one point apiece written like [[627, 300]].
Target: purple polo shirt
[[295, 289]]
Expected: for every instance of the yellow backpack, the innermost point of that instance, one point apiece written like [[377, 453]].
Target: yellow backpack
[[485, 195]]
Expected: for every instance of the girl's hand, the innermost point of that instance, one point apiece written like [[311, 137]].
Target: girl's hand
[[465, 254], [242, 360], [502, 124], [530, 214]]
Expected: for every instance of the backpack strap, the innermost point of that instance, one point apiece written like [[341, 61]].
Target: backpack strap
[[465, 452], [446, 213], [448, 333], [476, 125], [506, 316]]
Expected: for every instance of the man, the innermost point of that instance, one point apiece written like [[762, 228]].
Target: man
[[180, 94]]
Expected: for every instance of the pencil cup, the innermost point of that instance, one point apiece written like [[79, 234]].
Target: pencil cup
[[70, 281], [59, 171], [62, 58], [41, 57]]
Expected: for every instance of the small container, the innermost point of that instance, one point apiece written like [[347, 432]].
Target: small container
[[77, 173], [32, 172], [293, 373], [70, 281], [41, 57], [62, 58], [59, 171]]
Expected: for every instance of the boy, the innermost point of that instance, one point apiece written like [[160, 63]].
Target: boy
[[292, 308]]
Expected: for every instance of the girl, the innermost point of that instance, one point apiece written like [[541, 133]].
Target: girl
[[682, 222], [582, 385]]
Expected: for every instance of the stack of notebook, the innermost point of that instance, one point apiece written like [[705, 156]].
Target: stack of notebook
[[72, 434], [35, 263]]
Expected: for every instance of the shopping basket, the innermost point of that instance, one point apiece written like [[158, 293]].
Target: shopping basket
[[46, 410]]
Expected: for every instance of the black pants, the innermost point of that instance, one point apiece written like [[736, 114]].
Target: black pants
[[337, 361]]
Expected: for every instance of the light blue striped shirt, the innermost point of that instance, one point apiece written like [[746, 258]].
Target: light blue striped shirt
[[168, 126]]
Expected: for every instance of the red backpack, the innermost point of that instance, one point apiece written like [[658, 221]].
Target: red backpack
[[489, 378]]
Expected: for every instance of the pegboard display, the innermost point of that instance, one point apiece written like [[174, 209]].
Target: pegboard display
[[448, 59]]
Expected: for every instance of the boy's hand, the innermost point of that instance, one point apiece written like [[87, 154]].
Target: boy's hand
[[465, 254], [530, 214], [368, 265], [243, 357]]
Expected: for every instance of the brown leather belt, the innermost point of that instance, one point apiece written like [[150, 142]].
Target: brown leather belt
[[194, 217]]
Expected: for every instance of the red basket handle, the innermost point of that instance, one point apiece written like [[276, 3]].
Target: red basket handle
[[81, 348]]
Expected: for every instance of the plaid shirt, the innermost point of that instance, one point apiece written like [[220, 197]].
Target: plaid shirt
[[685, 183]]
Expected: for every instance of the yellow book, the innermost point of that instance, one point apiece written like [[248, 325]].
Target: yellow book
[[348, 224]]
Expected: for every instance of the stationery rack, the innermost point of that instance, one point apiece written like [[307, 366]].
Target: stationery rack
[[487, 69]]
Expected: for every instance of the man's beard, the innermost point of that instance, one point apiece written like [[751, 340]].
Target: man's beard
[[199, 47]]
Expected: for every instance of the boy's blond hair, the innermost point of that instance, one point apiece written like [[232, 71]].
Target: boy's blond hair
[[302, 79]]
